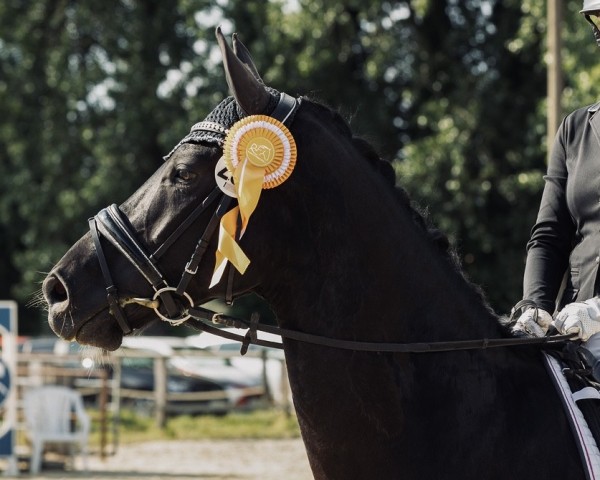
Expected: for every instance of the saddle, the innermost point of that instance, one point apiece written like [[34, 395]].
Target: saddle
[[575, 372]]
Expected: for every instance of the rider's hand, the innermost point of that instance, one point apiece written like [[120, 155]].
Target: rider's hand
[[582, 318], [533, 322]]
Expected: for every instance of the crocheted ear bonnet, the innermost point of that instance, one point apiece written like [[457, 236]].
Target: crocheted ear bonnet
[[214, 127]]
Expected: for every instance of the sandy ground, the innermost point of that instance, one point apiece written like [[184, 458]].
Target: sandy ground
[[184, 460]]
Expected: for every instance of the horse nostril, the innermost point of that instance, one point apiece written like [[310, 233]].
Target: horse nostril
[[54, 290]]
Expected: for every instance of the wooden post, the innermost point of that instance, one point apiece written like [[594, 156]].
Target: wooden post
[[160, 391], [265, 377], [286, 404], [116, 401], [554, 65], [103, 417]]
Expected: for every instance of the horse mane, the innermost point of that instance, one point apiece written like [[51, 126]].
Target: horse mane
[[419, 215]]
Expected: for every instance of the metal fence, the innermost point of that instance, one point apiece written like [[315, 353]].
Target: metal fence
[[101, 386]]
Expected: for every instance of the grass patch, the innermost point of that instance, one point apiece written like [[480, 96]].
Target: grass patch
[[260, 424]]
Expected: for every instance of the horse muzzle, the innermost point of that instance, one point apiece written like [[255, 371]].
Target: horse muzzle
[[60, 310], [70, 322]]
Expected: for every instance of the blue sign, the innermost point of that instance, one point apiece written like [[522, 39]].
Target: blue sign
[[4, 382], [8, 394]]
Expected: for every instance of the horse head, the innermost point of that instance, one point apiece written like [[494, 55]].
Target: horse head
[[145, 244], [169, 232]]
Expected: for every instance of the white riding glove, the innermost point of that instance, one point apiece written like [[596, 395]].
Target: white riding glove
[[582, 318], [529, 325]]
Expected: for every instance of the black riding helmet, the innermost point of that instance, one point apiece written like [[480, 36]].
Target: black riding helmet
[[591, 8]]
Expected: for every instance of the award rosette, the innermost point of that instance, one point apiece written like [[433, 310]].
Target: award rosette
[[260, 153]]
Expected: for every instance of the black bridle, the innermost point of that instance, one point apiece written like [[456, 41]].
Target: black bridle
[[175, 305], [171, 304]]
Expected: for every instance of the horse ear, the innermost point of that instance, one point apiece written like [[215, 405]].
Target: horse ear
[[249, 92], [243, 54]]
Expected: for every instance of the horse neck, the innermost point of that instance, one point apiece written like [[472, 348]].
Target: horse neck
[[359, 263], [379, 276]]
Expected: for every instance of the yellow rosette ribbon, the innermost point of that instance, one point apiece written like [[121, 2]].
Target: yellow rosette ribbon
[[260, 152]]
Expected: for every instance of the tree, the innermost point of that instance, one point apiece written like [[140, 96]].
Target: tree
[[451, 91], [86, 102], [479, 168]]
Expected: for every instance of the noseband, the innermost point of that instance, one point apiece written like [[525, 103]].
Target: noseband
[[171, 304]]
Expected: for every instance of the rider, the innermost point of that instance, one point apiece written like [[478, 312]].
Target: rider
[[566, 235]]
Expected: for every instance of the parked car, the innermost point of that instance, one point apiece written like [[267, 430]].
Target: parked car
[[188, 371], [259, 361]]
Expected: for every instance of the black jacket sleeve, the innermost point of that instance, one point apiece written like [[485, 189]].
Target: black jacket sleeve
[[552, 236]]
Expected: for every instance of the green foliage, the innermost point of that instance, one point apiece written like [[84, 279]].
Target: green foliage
[[86, 102], [93, 94], [478, 167]]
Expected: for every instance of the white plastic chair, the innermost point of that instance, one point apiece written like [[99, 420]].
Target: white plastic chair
[[55, 414]]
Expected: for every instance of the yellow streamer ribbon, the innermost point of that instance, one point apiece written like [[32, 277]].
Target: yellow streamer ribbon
[[228, 249], [249, 179], [256, 147]]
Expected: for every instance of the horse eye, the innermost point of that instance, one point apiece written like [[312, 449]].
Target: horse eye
[[184, 175]]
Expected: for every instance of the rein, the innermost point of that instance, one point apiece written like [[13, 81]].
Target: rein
[[199, 316]]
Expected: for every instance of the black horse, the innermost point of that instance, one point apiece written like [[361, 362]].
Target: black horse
[[337, 251]]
